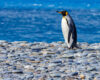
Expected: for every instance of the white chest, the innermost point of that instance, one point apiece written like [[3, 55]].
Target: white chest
[[65, 28]]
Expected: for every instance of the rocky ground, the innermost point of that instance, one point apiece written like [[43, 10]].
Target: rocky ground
[[21, 60]]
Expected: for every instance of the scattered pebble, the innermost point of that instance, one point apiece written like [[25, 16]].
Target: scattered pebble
[[21, 60]]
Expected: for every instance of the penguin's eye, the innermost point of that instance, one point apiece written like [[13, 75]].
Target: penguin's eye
[[66, 13]]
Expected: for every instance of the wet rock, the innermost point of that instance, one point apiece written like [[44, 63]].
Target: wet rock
[[57, 61], [17, 71], [97, 78], [75, 74], [21, 60]]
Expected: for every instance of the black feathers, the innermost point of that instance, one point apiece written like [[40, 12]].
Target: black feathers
[[73, 32]]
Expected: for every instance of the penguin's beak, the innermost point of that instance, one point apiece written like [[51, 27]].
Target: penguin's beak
[[59, 12]]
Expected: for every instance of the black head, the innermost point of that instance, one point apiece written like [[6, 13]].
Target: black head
[[64, 13]]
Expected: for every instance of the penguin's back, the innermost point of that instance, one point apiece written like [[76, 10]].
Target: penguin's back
[[72, 31]]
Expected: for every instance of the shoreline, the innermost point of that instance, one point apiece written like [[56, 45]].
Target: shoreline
[[22, 60]]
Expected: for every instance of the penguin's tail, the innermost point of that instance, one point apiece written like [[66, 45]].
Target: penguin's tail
[[76, 47]]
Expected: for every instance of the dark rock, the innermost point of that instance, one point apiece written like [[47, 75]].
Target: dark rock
[[75, 74]]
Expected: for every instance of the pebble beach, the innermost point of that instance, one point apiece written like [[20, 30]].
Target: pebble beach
[[21, 60]]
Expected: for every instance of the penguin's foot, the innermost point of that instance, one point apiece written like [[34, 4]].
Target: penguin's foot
[[70, 48], [75, 47]]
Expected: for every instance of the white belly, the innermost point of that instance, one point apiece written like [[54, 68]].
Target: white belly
[[65, 30]]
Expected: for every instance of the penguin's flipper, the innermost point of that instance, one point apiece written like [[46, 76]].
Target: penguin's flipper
[[70, 31], [69, 35]]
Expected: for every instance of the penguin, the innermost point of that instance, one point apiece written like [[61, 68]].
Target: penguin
[[68, 30]]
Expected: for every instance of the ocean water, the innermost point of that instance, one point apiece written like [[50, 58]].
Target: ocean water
[[74, 4], [36, 21]]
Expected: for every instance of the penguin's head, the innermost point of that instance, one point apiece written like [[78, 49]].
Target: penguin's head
[[64, 13]]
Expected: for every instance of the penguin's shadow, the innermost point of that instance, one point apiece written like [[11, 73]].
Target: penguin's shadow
[[76, 48]]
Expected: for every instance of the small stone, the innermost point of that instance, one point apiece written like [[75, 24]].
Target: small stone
[[85, 54], [43, 78], [92, 55], [97, 78], [70, 78], [51, 53], [55, 75], [68, 56], [71, 57], [3, 41], [82, 76], [92, 69], [23, 44], [33, 61], [17, 71], [69, 52], [6, 79], [57, 61], [51, 65], [60, 42], [75, 74], [84, 45], [30, 77]]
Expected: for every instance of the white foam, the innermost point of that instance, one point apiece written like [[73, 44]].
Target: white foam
[[37, 4]]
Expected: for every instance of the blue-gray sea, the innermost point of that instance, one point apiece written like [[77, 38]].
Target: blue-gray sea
[[37, 20]]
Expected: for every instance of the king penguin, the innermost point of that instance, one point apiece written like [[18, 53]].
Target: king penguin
[[69, 30]]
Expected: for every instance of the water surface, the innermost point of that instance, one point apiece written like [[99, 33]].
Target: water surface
[[45, 25]]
